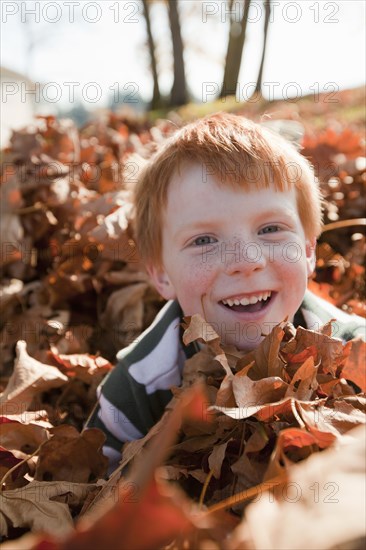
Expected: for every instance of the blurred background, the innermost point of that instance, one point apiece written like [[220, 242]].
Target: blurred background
[[78, 58]]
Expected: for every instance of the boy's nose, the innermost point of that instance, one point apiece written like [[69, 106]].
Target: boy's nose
[[243, 257]]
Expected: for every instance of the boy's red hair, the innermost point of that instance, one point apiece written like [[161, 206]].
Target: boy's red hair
[[240, 153]]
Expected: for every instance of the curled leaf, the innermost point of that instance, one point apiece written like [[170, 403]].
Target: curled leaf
[[29, 378]]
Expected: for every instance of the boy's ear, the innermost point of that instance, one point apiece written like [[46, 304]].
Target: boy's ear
[[161, 282], [310, 255]]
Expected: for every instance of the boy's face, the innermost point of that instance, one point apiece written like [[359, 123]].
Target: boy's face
[[238, 258]]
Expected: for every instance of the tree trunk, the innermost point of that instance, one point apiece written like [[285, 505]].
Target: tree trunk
[[178, 94], [234, 52], [267, 7], [156, 98]]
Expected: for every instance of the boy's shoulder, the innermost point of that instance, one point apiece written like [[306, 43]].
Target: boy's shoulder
[[156, 352], [165, 322], [317, 312], [133, 396]]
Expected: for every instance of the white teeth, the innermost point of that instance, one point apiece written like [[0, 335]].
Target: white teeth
[[247, 301]]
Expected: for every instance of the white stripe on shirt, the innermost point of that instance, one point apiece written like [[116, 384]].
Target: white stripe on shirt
[[117, 422]]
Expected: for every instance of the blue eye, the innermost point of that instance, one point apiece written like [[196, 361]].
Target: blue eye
[[270, 229], [204, 240]]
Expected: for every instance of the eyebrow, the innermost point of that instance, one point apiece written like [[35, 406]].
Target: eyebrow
[[210, 225], [193, 227], [286, 212]]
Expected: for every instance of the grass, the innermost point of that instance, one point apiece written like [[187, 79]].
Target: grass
[[348, 106]]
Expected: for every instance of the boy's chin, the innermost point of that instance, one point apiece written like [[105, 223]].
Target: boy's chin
[[242, 345], [245, 345]]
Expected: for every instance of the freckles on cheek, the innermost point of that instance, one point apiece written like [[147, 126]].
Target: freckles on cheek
[[201, 275]]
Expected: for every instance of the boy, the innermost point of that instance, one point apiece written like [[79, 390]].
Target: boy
[[227, 215]]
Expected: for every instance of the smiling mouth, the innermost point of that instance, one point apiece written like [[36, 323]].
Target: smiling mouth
[[242, 305]]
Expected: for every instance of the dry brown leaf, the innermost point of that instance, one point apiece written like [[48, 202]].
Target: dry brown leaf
[[102, 205], [325, 488], [249, 473], [330, 350], [30, 541], [250, 393], [29, 378], [355, 367], [161, 509], [301, 356], [170, 473], [262, 412], [125, 308], [216, 458], [38, 418], [225, 396], [114, 236], [70, 456], [266, 356], [74, 341], [83, 365], [257, 441], [200, 365], [34, 507], [125, 277], [196, 443], [324, 420], [9, 295], [292, 445], [12, 233], [304, 382], [23, 437], [196, 328], [31, 323], [13, 461]]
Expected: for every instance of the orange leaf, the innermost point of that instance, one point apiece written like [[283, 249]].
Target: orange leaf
[[355, 367]]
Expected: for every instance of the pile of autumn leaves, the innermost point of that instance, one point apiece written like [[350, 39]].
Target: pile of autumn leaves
[[71, 281], [244, 421], [224, 468]]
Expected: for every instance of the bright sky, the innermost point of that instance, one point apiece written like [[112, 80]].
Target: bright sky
[[312, 46]]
